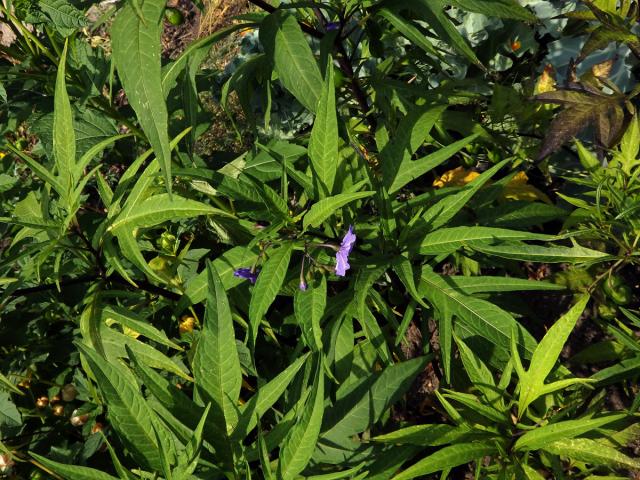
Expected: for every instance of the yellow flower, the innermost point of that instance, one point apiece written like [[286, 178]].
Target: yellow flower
[[2, 155], [519, 189], [516, 189], [546, 82], [457, 177]]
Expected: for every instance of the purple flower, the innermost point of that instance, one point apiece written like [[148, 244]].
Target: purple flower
[[333, 26], [303, 285], [342, 255], [247, 273]]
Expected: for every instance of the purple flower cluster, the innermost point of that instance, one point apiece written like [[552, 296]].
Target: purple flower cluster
[[342, 255]]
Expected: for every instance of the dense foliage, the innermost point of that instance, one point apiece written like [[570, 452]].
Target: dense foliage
[[425, 264]]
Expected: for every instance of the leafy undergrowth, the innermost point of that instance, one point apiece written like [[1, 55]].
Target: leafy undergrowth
[[343, 239]]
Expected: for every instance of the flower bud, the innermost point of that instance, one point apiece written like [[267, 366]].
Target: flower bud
[[186, 324], [97, 427], [69, 393], [42, 402], [58, 410]]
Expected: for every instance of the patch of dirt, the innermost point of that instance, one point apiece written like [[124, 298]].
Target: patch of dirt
[[175, 38]]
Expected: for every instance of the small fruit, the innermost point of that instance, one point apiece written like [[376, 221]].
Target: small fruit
[[58, 410], [78, 420], [516, 45], [68, 393], [97, 427], [174, 16], [42, 402], [607, 312]]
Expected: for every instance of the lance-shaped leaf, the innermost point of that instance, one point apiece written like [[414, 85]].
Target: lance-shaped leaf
[[72, 472], [128, 413], [545, 356], [540, 437], [592, 452], [268, 285], [302, 438], [64, 138], [292, 57], [410, 134], [326, 207], [136, 52], [477, 318], [323, 144], [216, 364], [309, 307], [446, 458]]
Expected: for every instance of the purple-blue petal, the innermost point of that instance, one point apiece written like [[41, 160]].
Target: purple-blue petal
[[246, 273]]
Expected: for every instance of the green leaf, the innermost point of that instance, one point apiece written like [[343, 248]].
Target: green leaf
[[487, 284], [64, 139], [72, 472], [536, 253], [216, 364], [592, 452], [365, 402], [171, 71], [309, 308], [410, 134], [410, 32], [64, 16], [5, 383], [447, 457], [129, 414], [128, 319], [264, 399], [546, 355], [161, 208], [448, 240], [136, 52], [323, 144], [427, 435], [38, 169], [411, 169], [542, 436], [323, 209], [268, 285], [476, 317], [433, 12], [302, 438], [479, 374], [496, 8], [293, 59], [225, 265]]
